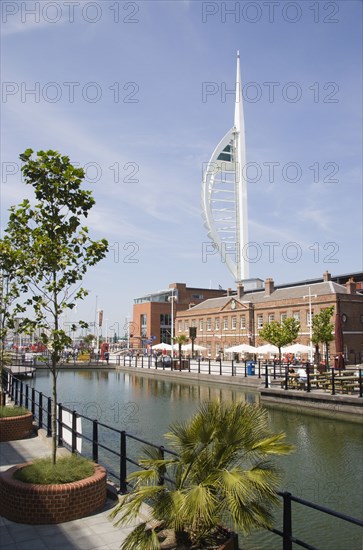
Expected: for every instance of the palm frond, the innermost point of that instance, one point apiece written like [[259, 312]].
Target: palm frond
[[222, 469], [141, 538]]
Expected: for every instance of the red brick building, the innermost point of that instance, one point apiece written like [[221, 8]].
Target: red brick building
[[237, 317], [152, 312]]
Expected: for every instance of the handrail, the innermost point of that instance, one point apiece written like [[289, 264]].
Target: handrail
[[18, 390]]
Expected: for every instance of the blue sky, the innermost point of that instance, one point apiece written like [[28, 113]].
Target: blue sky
[[121, 87]]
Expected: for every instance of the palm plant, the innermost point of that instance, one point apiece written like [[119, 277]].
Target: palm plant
[[221, 471], [180, 340]]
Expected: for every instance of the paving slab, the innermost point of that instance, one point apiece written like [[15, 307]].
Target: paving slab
[[95, 532]]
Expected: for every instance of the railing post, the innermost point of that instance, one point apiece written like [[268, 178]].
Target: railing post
[[74, 431], [26, 396], [124, 360], [16, 400], [123, 472], [333, 381], [266, 375], [11, 386], [188, 364], [360, 383], [49, 417], [275, 369], [162, 470], [142, 361], [232, 367], [21, 393], [287, 523], [245, 362], [286, 377], [33, 401], [199, 365], [220, 367], [40, 410], [60, 425], [308, 377], [95, 440], [136, 361], [209, 366], [259, 367]]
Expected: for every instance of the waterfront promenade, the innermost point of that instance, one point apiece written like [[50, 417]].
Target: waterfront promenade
[[95, 532], [270, 384]]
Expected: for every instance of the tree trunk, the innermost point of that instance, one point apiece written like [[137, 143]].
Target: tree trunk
[[54, 409]]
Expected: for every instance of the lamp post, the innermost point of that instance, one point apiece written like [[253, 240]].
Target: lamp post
[[171, 300], [310, 323]]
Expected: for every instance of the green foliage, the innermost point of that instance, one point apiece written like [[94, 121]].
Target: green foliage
[[51, 250], [280, 334], [66, 470], [9, 292], [223, 470], [180, 340], [323, 329], [7, 412]]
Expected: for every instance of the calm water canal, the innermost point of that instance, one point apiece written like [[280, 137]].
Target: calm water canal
[[326, 468]]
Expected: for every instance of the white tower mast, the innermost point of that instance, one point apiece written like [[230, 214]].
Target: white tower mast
[[224, 194]]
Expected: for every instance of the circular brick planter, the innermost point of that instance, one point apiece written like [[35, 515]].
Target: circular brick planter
[[43, 504], [16, 427]]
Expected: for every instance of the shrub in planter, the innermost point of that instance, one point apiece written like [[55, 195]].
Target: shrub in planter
[[221, 472], [41, 492], [15, 423]]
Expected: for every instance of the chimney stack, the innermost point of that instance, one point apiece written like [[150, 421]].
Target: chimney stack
[[326, 276], [229, 291], [269, 286], [240, 290], [351, 286]]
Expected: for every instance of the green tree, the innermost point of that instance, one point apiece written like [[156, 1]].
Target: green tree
[[323, 330], [180, 340], [9, 292], [53, 250], [280, 334], [87, 340], [222, 470]]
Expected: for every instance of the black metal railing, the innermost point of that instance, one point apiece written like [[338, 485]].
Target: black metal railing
[[287, 533], [119, 452], [272, 373]]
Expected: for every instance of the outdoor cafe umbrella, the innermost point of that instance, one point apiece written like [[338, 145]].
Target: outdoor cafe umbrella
[[296, 348], [267, 348], [339, 343], [188, 347], [241, 348], [162, 346]]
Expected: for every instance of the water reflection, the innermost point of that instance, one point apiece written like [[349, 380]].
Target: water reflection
[[325, 468]]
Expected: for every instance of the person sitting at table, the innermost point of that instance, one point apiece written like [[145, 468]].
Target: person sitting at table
[[302, 374], [291, 370]]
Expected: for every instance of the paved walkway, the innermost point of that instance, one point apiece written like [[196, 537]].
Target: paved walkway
[[95, 532]]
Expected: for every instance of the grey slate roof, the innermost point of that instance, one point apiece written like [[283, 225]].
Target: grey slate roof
[[294, 292]]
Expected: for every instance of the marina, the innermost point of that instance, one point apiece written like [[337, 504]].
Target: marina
[[326, 467]]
